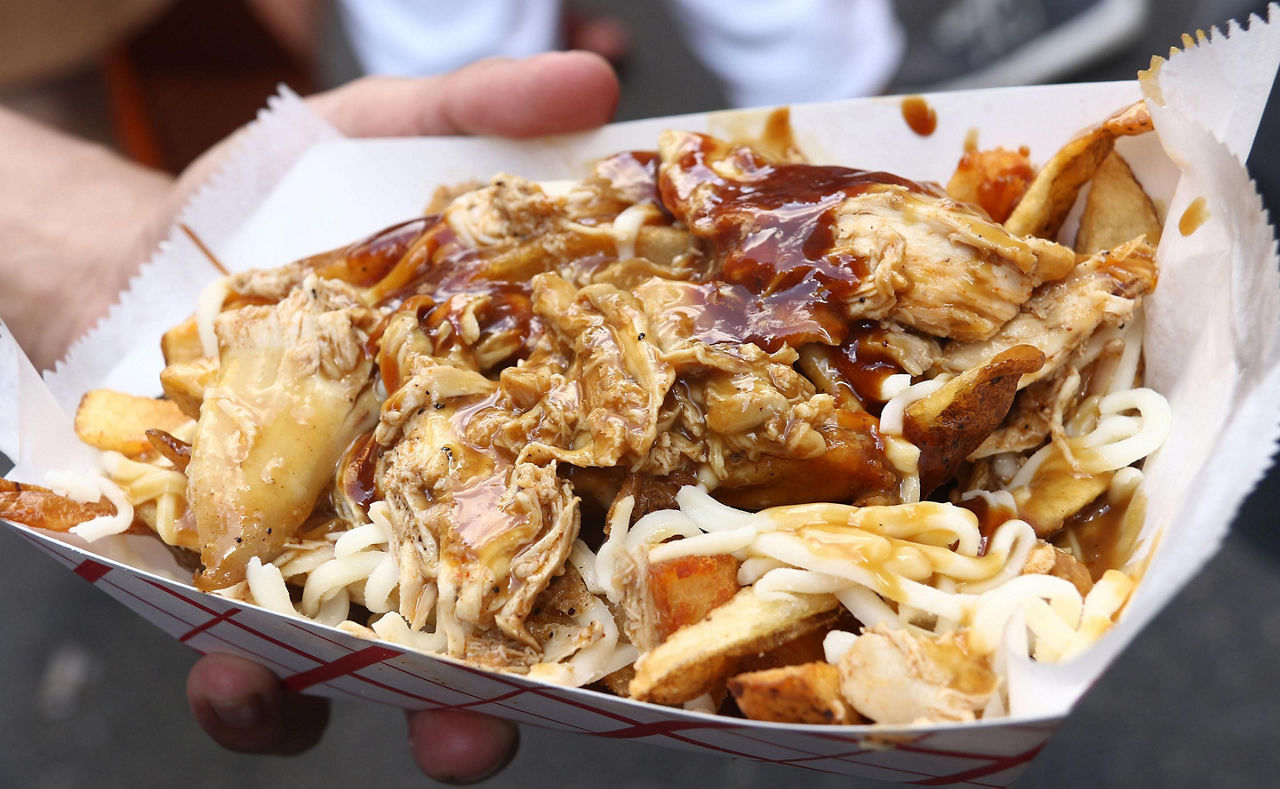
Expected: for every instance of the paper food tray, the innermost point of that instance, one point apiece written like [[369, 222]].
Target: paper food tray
[[295, 187]]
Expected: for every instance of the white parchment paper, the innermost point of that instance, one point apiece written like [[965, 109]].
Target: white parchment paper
[[294, 187]]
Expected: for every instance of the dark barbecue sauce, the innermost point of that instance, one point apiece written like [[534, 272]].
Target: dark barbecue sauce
[[989, 519], [776, 275], [357, 475], [732, 313], [436, 263], [865, 361], [366, 262], [773, 229], [1101, 535], [920, 117]]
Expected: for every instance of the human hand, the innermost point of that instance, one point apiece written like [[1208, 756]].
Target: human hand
[[79, 220], [244, 708], [551, 93], [240, 704]]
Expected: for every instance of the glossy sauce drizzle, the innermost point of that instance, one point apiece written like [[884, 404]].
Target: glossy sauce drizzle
[[1196, 215], [865, 362], [366, 262], [989, 519], [1105, 532], [357, 475], [920, 117], [773, 230]]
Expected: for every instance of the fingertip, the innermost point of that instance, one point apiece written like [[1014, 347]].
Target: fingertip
[[221, 676], [549, 93], [242, 706], [461, 747], [588, 78]]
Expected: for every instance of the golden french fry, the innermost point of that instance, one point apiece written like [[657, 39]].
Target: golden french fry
[[995, 179], [119, 422], [1049, 198], [41, 508], [686, 589], [1117, 209], [804, 693], [185, 383], [954, 420], [182, 343], [1057, 493], [694, 658]]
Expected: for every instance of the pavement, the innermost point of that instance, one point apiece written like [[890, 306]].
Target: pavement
[[96, 694]]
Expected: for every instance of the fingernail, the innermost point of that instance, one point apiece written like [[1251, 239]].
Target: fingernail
[[245, 713]]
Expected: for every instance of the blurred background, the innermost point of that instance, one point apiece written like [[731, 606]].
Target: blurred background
[[95, 695]]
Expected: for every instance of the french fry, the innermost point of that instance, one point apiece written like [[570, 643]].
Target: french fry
[[1116, 210], [118, 422], [182, 343], [995, 179], [686, 589], [41, 508], [676, 593], [804, 693], [1048, 200], [1058, 493], [185, 383], [694, 658], [954, 420]]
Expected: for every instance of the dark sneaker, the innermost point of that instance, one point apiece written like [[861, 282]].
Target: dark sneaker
[[987, 43]]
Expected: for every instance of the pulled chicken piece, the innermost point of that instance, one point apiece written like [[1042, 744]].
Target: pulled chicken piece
[[874, 245], [894, 676], [748, 422], [294, 387], [1102, 291], [488, 532]]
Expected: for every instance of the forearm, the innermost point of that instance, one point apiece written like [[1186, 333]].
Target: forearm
[[76, 221]]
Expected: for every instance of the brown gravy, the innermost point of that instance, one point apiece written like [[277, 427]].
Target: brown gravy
[[920, 117], [1196, 215]]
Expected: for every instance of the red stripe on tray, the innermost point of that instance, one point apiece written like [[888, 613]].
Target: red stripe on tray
[[208, 623], [92, 571], [660, 727], [206, 609], [997, 764], [340, 667]]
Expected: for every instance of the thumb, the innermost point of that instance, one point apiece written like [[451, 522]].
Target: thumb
[[550, 93]]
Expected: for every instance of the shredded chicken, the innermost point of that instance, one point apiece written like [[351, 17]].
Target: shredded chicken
[[1062, 316], [1045, 559], [893, 676], [749, 423], [293, 388], [603, 408], [488, 531], [889, 249]]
